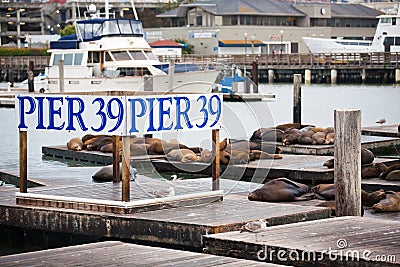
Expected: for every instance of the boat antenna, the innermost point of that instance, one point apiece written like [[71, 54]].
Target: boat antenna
[[134, 10]]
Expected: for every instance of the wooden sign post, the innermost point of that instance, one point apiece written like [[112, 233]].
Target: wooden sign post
[[116, 148], [23, 161], [347, 166], [126, 164], [216, 167], [297, 98]]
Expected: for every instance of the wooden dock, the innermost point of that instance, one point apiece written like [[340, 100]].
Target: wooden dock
[[172, 224], [341, 241], [377, 144], [382, 130], [116, 253], [306, 168]]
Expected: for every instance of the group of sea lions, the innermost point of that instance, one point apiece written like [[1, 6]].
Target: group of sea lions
[[295, 133], [285, 190], [235, 152]]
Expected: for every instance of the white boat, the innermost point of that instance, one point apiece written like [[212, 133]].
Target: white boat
[[386, 39], [111, 54]]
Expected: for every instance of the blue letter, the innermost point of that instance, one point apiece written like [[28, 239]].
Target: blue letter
[[53, 112], [78, 114], [183, 113], [151, 115], [22, 110], [164, 112], [133, 112], [40, 113]]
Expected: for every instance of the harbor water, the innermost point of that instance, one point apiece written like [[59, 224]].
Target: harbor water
[[239, 119]]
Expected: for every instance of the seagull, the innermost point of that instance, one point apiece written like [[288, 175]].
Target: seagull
[[381, 121], [164, 193], [254, 227]]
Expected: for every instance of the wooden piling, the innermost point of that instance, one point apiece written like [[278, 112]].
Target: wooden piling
[[216, 161], [297, 98], [126, 164], [23, 161], [61, 75], [116, 148], [347, 166], [254, 76], [31, 77]]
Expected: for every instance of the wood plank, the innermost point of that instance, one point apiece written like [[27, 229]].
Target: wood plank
[[337, 235], [381, 130], [117, 253]]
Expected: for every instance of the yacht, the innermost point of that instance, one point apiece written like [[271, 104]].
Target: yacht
[[386, 39], [111, 54]]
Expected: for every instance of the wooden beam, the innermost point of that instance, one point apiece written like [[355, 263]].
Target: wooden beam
[[23, 161], [347, 166], [216, 167], [126, 164], [116, 148], [297, 98]]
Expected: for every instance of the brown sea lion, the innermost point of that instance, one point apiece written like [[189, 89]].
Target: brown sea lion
[[290, 136], [98, 142], [324, 191], [318, 129], [105, 174], [306, 138], [183, 155], [75, 144], [328, 130], [389, 169], [295, 125], [258, 154], [369, 199], [139, 149], [389, 204], [273, 135], [88, 137], [332, 205], [239, 156], [393, 176], [207, 157], [367, 156], [372, 171], [279, 189], [319, 138], [269, 148], [330, 138]]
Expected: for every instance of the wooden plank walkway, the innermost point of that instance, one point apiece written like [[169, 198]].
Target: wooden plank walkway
[[378, 144], [116, 253], [306, 168], [382, 130], [341, 241]]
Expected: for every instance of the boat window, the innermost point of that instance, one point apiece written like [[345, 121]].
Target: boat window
[[110, 27], [108, 56], [121, 55], [138, 55], [125, 27], [386, 20], [388, 41], [68, 59], [57, 57], [93, 57], [134, 71], [150, 55], [78, 59]]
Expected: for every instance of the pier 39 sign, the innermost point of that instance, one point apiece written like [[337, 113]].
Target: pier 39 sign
[[119, 115]]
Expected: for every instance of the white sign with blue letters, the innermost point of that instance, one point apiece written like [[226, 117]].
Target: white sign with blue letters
[[119, 115]]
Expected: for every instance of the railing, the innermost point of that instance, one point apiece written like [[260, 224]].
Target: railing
[[355, 60]]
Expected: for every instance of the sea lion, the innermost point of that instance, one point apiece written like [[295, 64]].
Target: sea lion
[[99, 142], [332, 205], [393, 176], [369, 199], [319, 138], [324, 191], [273, 135], [330, 138], [75, 144], [279, 189], [389, 169], [105, 174], [372, 171], [183, 155], [239, 156], [269, 148], [88, 137], [306, 138], [388, 204], [139, 149], [367, 157], [328, 130], [258, 154], [290, 136], [295, 125]]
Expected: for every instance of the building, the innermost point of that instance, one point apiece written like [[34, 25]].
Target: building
[[204, 23], [167, 48]]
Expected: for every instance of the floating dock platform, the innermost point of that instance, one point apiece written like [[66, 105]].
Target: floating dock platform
[[382, 130], [341, 241]]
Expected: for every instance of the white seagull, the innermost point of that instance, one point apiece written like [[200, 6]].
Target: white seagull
[[381, 121], [164, 193], [254, 227]]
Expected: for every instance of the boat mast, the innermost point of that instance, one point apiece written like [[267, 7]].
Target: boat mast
[[134, 10]]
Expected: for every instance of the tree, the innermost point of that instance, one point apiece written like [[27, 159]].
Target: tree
[[187, 48], [68, 30]]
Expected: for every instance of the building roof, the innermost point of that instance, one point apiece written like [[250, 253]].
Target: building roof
[[165, 43], [267, 8], [240, 43]]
